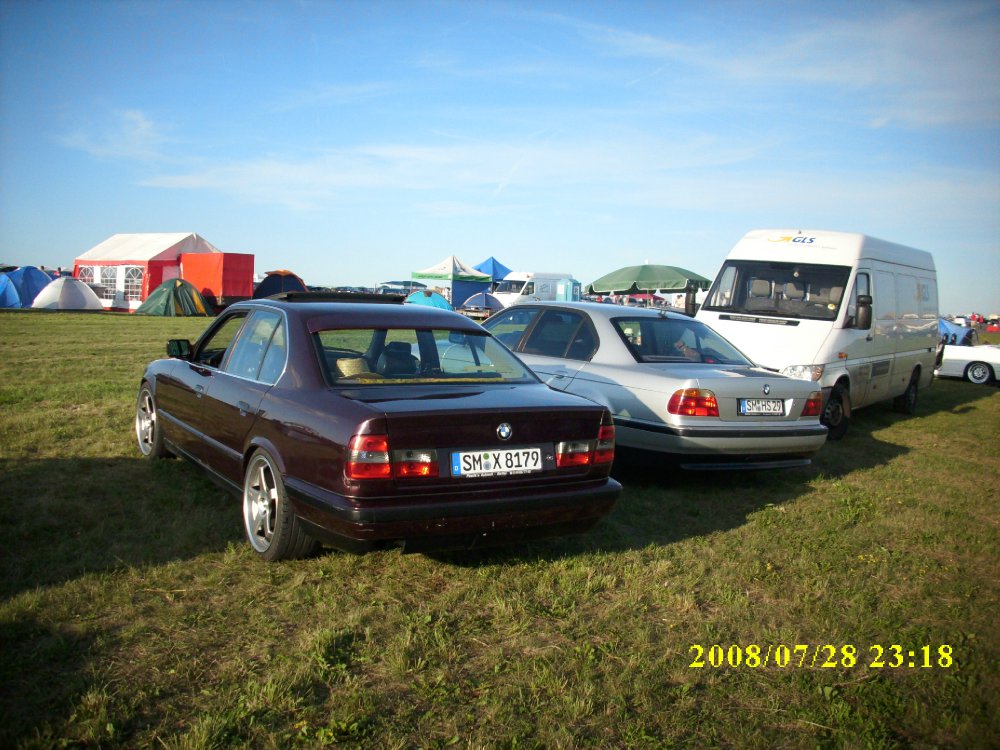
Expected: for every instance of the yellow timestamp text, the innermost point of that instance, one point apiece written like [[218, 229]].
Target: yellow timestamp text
[[821, 656]]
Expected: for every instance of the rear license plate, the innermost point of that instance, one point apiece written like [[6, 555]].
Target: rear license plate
[[761, 407], [496, 463]]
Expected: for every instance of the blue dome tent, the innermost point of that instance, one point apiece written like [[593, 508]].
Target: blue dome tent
[[429, 299], [28, 281]]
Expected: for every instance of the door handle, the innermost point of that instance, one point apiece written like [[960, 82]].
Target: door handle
[[244, 408], [200, 390], [869, 337]]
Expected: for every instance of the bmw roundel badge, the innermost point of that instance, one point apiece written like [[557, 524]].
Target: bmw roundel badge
[[767, 389], [504, 431]]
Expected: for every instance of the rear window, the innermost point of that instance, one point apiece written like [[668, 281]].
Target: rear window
[[380, 356], [676, 340]]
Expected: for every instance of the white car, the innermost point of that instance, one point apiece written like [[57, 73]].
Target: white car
[[977, 364], [673, 385]]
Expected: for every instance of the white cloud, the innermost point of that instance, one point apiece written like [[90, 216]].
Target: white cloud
[[128, 135]]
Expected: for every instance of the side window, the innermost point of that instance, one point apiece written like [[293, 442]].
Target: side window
[[722, 293], [274, 359], [248, 352], [508, 326], [213, 349], [862, 286], [553, 334], [583, 345]]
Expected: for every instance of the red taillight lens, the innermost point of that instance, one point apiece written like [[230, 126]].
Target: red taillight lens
[[574, 453], [605, 452], [416, 464], [369, 457], [814, 405], [693, 402]]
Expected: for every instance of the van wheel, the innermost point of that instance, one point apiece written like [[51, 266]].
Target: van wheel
[[837, 413], [906, 402], [978, 373]]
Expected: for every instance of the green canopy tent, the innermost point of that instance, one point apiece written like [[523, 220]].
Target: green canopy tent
[[649, 278], [174, 298]]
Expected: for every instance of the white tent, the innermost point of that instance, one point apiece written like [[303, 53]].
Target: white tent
[[67, 293], [452, 269], [129, 266]]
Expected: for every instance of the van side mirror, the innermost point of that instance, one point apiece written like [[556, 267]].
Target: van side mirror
[[864, 318], [179, 348]]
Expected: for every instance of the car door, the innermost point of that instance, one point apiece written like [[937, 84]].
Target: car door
[[233, 397], [180, 395], [559, 343]]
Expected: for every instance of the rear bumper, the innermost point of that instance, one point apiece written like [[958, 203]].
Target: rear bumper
[[460, 520], [721, 442]]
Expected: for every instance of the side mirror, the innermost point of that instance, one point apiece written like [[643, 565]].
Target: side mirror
[[864, 318], [179, 348]]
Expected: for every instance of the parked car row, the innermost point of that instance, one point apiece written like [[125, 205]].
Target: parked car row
[[364, 424]]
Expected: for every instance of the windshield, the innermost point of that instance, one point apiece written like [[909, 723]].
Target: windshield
[[676, 340], [791, 290], [380, 356], [509, 287]]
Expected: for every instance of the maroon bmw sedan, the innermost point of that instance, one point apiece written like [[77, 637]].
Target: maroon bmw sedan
[[364, 424]]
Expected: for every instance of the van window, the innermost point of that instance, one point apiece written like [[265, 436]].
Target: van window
[[862, 286], [789, 290]]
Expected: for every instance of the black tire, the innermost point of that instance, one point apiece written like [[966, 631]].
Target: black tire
[[147, 425], [906, 402], [979, 373], [271, 527], [837, 412]]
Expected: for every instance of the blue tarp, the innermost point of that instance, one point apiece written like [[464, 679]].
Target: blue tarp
[[428, 298], [494, 268], [955, 335], [28, 281]]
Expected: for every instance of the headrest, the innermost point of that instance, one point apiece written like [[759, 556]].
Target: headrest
[[760, 288], [794, 290]]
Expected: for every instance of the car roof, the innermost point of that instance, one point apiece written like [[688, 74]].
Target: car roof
[[605, 310], [321, 315]]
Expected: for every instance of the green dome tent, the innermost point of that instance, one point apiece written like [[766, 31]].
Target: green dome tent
[[174, 298]]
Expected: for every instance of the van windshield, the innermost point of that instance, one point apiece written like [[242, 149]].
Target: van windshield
[[789, 290], [510, 287]]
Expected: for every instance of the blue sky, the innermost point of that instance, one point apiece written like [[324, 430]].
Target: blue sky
[[355, 142]]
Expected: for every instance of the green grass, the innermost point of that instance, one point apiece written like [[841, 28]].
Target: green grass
[[133, 614]]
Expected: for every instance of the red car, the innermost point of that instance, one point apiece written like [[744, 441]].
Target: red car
[[363, 425]]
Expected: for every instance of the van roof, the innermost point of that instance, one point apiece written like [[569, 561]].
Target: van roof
[[824, 246]]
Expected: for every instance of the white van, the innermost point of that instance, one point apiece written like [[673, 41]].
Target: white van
[[855, 314], [530, 286]]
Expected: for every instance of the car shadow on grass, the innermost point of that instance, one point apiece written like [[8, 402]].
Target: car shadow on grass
[[662, 503], [67, 518]]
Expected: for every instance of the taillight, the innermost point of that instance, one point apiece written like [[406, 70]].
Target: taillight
[[587, 452], [693, 402], [814, 405], [605, 451], [574, 453], [369, 457], [416, 463]]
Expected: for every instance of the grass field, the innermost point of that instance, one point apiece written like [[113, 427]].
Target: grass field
[[133, 614]]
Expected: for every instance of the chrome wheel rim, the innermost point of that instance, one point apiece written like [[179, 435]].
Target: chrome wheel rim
[[145, 422], [978, 373], [260, 503]]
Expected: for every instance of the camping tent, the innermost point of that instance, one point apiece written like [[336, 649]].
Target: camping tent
[[279, 281], [174, 298], [9, 298], [27, 282], [67, 293], [429, 299], [130, 266], [465, 280]]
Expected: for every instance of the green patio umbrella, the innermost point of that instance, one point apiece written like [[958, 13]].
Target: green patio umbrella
[[648, 278]]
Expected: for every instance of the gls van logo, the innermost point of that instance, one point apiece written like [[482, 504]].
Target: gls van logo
[[789, 238]]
